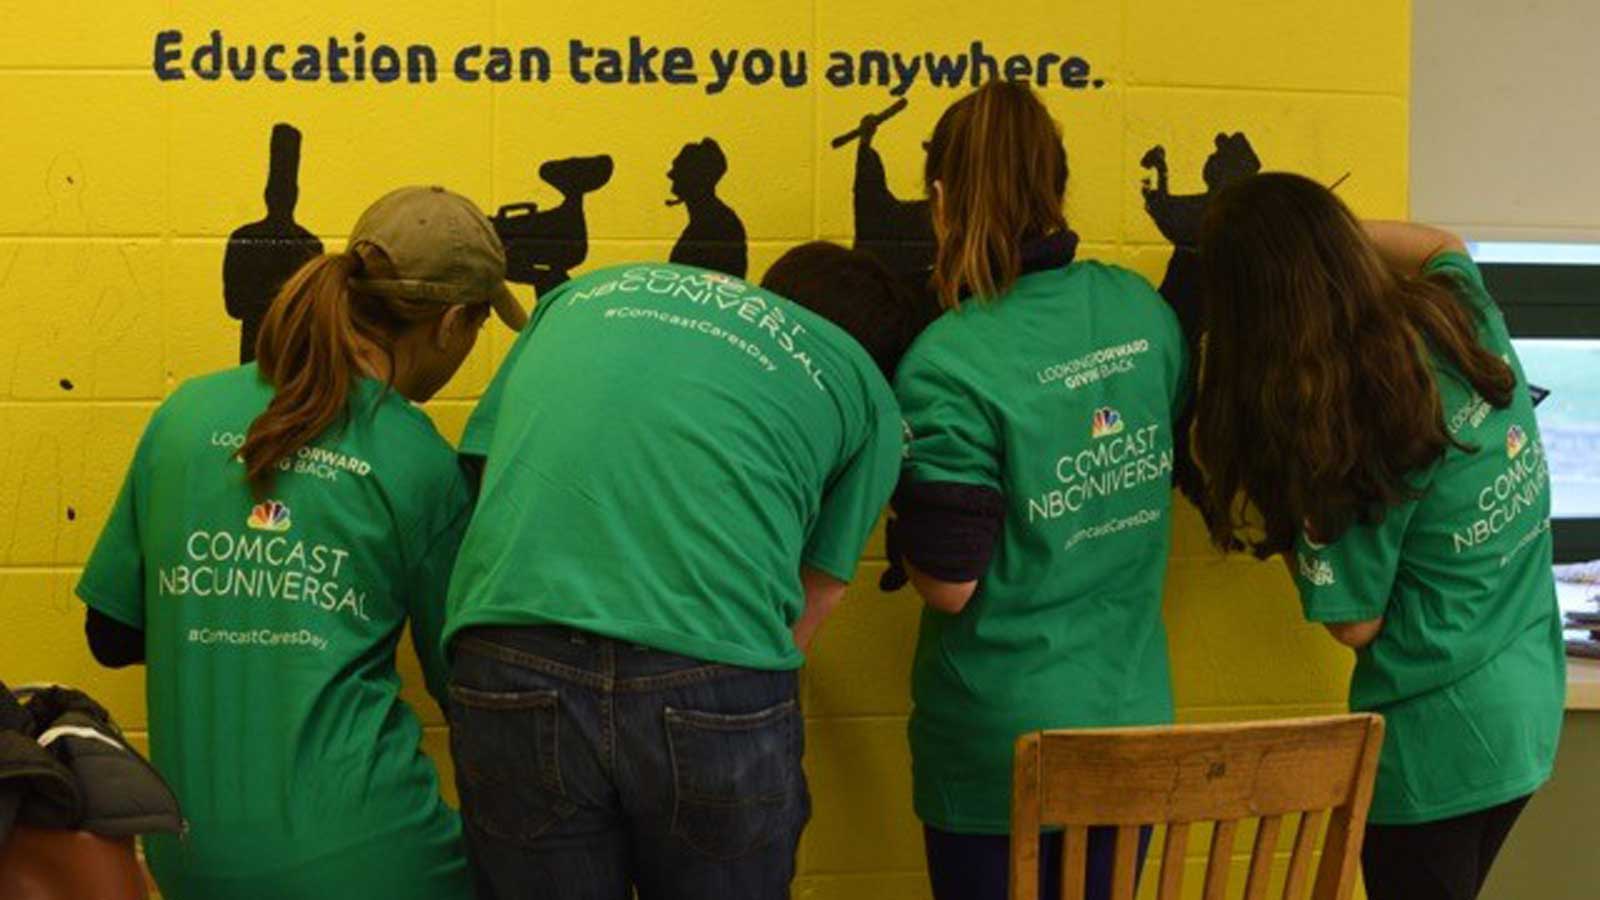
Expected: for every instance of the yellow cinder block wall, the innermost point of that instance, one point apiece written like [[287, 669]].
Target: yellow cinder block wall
[[120, 191]]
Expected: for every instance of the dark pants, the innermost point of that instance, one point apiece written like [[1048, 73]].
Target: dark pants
[[978, 866], [1445, 860], [588, 767]]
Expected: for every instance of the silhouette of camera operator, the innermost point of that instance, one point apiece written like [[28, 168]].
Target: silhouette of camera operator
[[543, 247]]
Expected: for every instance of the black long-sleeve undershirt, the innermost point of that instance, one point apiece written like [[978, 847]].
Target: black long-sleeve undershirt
[[113, 643]]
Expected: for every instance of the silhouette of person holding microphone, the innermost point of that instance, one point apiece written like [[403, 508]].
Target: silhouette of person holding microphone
[[898, 232], [714, 238], [262, 255]]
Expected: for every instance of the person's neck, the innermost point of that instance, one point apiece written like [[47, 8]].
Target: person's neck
[[379, 366]]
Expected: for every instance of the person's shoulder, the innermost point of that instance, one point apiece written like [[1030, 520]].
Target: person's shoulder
[[1455, 264], [408, 433], [218, 391], [1127, 292], [420, 468], [1102, 275]]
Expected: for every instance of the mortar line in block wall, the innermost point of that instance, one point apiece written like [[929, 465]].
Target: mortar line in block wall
[[1152, 86]]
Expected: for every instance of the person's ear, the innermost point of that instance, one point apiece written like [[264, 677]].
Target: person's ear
[[449, 328]]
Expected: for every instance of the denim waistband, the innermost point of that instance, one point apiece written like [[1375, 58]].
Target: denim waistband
[[594, 660]]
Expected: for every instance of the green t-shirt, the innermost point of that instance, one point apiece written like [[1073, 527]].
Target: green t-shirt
[[1469, 669], [270, 633], [665, 447], [1061, 396]]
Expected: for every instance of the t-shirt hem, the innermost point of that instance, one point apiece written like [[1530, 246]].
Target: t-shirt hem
[[831, 568], [1337, 614], [642, 633], [102, 602], [1487, 798]]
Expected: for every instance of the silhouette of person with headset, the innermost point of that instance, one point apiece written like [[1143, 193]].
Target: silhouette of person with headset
[[262, 255], [714, 237], [544, 246]]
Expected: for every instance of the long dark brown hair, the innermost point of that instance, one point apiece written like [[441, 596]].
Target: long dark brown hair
[[309, 349], [1316, 394], [998, 159]]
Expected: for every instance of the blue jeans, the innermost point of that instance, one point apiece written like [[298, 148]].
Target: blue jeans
[[590, 767], [978, 866]]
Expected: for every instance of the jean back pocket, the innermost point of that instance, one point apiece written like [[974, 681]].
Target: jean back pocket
[[737, 782], [506, 748]]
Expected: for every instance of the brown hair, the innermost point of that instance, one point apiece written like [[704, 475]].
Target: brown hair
[[998, 158], [1316, 394], [310, 347]]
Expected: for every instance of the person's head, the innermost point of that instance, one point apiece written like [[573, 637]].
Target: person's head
[[403, 304], [283, 172], [1233, 159], [697, 169], [996, 174], [854, 291], [1316, 397]]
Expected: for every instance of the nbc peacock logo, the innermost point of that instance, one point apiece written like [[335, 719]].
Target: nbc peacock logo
[[1106, 422], [1516, 439], [269, 516]]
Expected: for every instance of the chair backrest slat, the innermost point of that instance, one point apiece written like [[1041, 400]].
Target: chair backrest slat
[[1305, 844], [1124, 872], [1173, 848], [1255, 887], [1074, 863], [1219, 864], [1129, 778]]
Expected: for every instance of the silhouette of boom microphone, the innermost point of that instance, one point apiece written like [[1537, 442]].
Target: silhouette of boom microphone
[[893, 110]]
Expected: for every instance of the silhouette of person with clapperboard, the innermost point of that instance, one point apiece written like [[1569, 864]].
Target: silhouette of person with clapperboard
[[714, 238], [262, 255], [544, 246], [1178, 218]]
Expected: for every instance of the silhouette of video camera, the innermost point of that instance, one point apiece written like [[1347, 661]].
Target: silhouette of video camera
[[543, 246]]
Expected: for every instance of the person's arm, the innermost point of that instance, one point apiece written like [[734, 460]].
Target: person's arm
[[1355, 635], [112, 585], [427, 583], [1407, 246], [823, 593], [113, 644], [945, 596]]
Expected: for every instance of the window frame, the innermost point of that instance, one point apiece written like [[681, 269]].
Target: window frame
[[1552, 300]]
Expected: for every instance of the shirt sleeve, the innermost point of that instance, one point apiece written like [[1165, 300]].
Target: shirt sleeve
[[949, 436], [427, 586], [1467, 278], [1350, 579], [113, 580], [855, 497], [479, 433]]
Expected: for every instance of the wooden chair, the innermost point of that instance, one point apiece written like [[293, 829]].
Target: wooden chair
[[1178, 776], [46, 864]]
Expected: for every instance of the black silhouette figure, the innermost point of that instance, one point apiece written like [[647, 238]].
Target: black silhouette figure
[[543, 247], [714, 238], [262, 255], [898, 232], [1178, 218]]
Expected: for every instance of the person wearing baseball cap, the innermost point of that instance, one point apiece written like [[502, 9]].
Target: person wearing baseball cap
[[279, 526]]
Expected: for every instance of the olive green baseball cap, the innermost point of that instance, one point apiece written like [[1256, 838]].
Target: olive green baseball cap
[[443, 250]]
